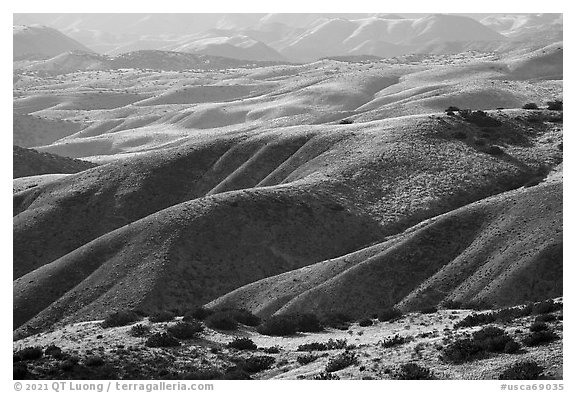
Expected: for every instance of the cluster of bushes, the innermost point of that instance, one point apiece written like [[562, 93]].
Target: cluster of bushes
[[341, 361], [199, 313], [413, 371], [555, 105], [139, 330], [331, 344], [162, 316], [120, 318], [389, 314], [488, 339], [242, 343], [158, 340], [508, 314], [255, 364], [305, 359], [530, 105], [228, 319], [540, 334], [337, 320], [526, 369], [394, 341], [366, 322], [287, 325], [185, 330], [480, 118], [28, 353]]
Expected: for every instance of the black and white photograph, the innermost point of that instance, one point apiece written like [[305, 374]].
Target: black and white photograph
[[287, 196]]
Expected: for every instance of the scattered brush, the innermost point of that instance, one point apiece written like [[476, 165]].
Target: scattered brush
[[221, 320], [199, 313], [544, 337], [255, 364]]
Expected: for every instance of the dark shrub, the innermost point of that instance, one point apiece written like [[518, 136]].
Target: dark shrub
[[28, 353], [308, 322], [412, 371], [366, 322], [511, 347], [390, 342], [491, 339], [54, 351], [475, 320], [526, 369], [460, 135], [162, 316], [450, 113], [243, 343], [327, 346], [546, 307], [326, 376], [389, 314], [452, 109], [480, 118], [221, 320], [495, 150], [278, 325], [256, 364], [429, 310], [341, 361], [186, 330], [451, 304], [245, 317], [205, 375], [530, 105], [535, 339], [545, 318], [235, 374], [305, 359], [337, 320], [139, 330], [93, 361], [158, 340], [461, 350], [555, 105], [346, 121], [538, 327], [19, 371], [120, 318], [199, 313], [274, 349]]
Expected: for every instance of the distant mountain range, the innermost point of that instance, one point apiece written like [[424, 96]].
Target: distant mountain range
[[283, 37]]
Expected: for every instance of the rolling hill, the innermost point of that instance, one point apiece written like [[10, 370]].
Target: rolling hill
[[35, 40]]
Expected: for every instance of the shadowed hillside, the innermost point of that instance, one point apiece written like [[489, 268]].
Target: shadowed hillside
[[28, 162], [192, 212], [500, 251]]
